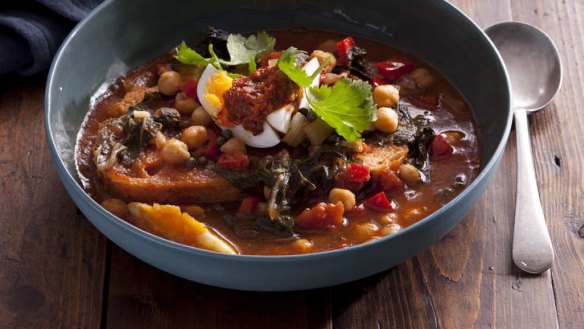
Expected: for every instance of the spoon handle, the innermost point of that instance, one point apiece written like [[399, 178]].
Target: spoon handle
[[532, 246]]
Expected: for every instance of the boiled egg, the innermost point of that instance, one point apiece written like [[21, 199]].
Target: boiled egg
[[214, 83]]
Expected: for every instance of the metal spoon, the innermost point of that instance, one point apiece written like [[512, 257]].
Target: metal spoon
[[535, 72]]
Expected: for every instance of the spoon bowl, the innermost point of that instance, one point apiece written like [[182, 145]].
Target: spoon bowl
[[532, 62], [535, 72]]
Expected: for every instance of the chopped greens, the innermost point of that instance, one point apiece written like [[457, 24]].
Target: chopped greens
[[287, 64], [347, 107]]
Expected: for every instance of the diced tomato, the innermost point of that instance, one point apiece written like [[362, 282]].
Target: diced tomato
[[440, 148], [356, 212], [358, 173], [392, 69], [342, 180], [344, 49], [236, 161], [379, 202], [248, 205], [388, 181], [190, 88], [377, 81], [321, 216]]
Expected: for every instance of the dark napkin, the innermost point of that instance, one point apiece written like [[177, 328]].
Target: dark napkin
[[31, 32]]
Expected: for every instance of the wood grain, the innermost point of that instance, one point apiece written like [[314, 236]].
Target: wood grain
[[141, 296], [51, 259]]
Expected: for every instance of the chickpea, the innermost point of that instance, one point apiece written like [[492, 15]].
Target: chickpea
[[422, 77], [390, 229], [386, 95], [303, 245], [346, 197], [184, 104], [116, 206], [200, 117], [408, 173], [387, 219], [322, 56], [169, 83], [234, 145], [331, 78], [367, 230], [175, 151], [194, 137], [387, 120]]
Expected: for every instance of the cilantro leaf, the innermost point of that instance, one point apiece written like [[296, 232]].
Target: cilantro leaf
[[186, 55], [347, 106], [287, 64], [243, 50]]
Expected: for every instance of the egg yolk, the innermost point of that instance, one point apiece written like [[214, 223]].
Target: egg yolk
[[218, 84]]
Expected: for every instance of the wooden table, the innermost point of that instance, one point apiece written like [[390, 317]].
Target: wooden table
[[57, 271]]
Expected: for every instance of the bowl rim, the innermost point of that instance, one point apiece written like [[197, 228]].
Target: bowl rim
[[68, 179]]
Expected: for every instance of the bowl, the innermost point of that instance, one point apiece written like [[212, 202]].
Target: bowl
[[120, 35]]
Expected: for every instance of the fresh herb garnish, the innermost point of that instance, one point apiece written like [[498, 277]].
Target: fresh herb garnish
[[187, 55], [347, 107], [287, 64], [241, 50]]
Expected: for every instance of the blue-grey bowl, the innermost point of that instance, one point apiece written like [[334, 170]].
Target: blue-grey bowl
[[120, 35]]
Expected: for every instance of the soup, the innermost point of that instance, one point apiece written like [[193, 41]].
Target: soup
[[245, 145]]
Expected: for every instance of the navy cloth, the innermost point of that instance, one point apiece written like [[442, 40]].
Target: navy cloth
[[31, 32]]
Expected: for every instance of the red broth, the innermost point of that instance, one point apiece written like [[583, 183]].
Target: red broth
[[454, 158]]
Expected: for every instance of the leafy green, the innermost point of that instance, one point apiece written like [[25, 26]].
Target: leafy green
[[243, 50], [287, 64], [347, 106], [187, 55]]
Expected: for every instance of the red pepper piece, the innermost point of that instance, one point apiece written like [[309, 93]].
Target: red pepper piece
[[343, 50], [248, 205], [379, 202], [190, 88], [321, 216], [358, 173], [392, 69], [440, 148], [356, 212], [236, 162]]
